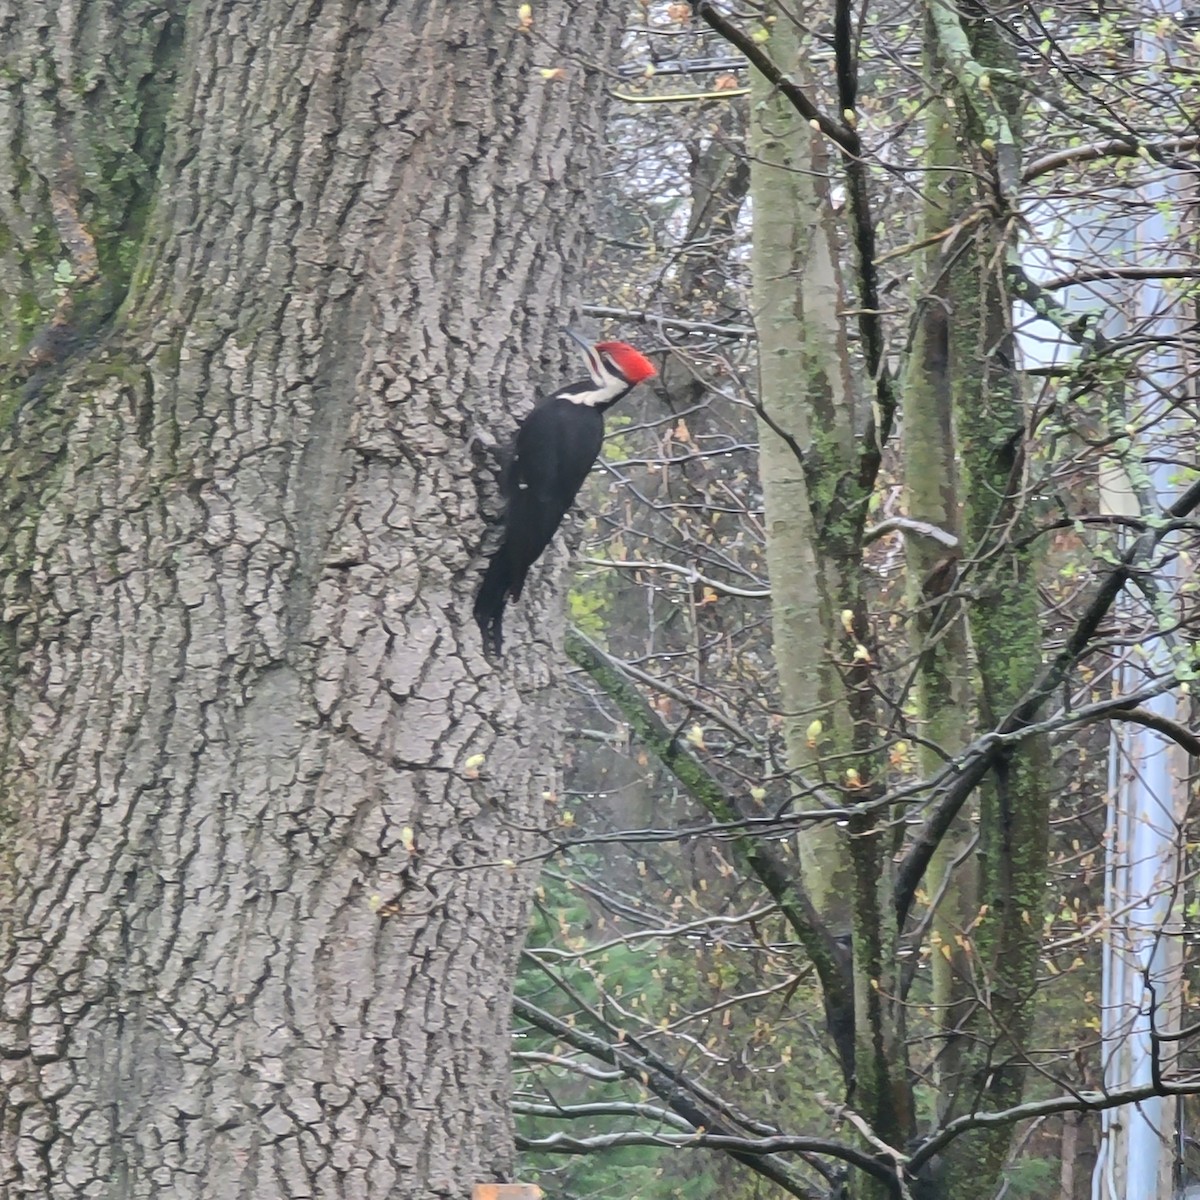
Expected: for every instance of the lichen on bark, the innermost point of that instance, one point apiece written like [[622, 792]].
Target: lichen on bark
[[1000, 913]]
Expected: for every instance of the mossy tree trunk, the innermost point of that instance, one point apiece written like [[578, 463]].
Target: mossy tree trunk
[[816, 498], [933, 493], [964, 437], [996, 969], [264, 270]]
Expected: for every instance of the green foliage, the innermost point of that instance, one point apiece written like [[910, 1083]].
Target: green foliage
[[646, 987], [588, 603], [630, 974], [1032, 1179]]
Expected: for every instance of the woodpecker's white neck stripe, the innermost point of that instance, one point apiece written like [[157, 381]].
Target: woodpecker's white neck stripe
[[604, 395]]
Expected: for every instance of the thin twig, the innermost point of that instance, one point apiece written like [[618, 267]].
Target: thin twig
[[643, 317]]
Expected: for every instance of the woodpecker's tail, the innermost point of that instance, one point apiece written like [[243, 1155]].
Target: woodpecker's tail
[[491, 598]]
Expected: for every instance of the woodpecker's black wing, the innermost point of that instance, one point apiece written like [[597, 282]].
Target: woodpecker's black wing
[[555, 449]]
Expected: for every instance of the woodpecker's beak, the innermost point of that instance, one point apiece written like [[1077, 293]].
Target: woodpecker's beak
[[595, 369]]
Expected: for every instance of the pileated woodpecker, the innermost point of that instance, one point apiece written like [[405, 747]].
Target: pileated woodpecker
[[555, 448]]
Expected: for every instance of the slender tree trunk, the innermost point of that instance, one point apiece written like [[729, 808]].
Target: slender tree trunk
[[933, 492], [815, 503], [266, 270], [999, 964], [808, 402]]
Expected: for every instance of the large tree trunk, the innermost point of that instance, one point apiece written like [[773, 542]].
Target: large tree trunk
[[260, 912]]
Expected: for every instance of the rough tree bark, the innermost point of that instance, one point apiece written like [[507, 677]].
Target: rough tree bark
[[265, 268]]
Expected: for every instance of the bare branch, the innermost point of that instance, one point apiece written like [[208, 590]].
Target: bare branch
[[586, 654], [613, 1108], [1164, 725], [642, 935], [1064, 281], [925, 529], [712, 328], [1113, 148], [843, 1112], [684, 66], [1081, 328], [1075, 1102], [762, 826], [779, 876], [688, 573], [561, 1143], [562, 1063], [680, 97]]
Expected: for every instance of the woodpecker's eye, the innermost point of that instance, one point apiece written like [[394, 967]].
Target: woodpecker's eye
[[610, 366]]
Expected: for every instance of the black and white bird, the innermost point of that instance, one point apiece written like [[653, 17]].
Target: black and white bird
[[554, 450]]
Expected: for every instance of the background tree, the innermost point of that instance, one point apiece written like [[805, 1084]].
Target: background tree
[[265, 271], [960, 798]]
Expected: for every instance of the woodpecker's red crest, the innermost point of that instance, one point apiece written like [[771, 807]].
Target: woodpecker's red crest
[[633, 366]]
